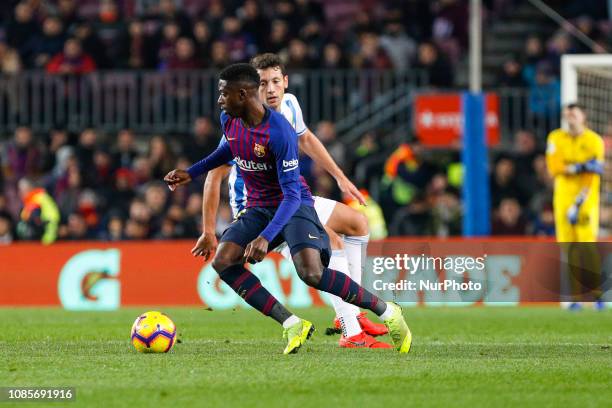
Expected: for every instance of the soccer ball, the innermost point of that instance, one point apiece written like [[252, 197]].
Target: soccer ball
[[153, 332]]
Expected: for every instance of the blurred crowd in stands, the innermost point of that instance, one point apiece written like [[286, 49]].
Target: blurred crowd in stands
[[88, 185], [93, 186]]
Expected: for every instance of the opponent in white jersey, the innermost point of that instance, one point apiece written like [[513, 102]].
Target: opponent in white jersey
[[349, 251]]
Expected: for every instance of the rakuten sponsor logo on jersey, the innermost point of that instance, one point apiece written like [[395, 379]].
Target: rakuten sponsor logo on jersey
[[289, 165], [251, 165]]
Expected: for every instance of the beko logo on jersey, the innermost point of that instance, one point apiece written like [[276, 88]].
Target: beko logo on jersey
[[290, 165], [251, 165]]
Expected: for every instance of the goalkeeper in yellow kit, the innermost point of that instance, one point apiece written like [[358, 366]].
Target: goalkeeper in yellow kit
[[575, 159]]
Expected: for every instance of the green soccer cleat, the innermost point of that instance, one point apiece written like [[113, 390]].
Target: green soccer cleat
[[398, 329], [297, 335]]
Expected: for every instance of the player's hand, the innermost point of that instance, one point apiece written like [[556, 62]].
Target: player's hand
[[349, 189], [206, 245], [572, 214], [177, 178], [256, 250]]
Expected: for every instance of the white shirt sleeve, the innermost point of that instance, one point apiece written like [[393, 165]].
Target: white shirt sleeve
[[296, 110]]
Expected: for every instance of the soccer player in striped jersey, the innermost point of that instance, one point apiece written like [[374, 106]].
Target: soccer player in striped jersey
[[279, 209], [339, 220]]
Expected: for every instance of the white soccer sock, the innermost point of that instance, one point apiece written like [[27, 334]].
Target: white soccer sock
[[346, 312], [356, 248], [387, 313], [291, 320]]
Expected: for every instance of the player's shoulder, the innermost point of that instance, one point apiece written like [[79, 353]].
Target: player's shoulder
[[557, 133], [290, 99], [591, 134], [277, 119]]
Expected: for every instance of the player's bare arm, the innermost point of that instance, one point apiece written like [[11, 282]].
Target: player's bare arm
[[207, 242], [310, 144]]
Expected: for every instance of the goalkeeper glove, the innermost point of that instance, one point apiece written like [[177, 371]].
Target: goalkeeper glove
[[572, 212], [591, 166]]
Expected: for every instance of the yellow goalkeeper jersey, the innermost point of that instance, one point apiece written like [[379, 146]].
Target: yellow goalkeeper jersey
[[563, 150]]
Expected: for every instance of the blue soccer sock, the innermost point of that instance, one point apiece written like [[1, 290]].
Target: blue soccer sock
[[248, 287], [341, 285]]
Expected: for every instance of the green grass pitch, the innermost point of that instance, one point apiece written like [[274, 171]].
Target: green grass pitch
[[461, 357]]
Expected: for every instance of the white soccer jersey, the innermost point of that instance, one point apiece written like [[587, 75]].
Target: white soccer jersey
[[291, 110]]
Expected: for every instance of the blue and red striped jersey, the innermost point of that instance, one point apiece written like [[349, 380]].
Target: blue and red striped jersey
[[267, 156]]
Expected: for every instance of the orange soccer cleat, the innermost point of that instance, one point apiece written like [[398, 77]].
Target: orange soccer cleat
[[368, 326], [362, 340]]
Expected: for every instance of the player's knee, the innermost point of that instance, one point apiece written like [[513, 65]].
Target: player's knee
[[309, 270], [222, 261], [360, 225]]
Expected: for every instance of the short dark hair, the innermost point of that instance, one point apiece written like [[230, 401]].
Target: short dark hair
[[268, 60], [240, 73], [576, 105]]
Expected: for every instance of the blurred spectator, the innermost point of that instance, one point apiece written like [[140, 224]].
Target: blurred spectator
[[76, 229], [71, 60], [139, 52], [184, 56], [241, 45], [10, 62], [111, 30], [545, 96], [534, 52], [219, 56], [167, 44], [279, 36], [370, 54], [136, 230], [156, 199], [508, 219], [40, 216], [40, 48], [6, 229], [125, 152], [22, 27], [254, 22], [512, 75], [84, 153], [446, 215], [168, 11], [449, 28], [161, 157], [92, 46], [122, 192], [544, 223], [326, 132], [396, 43], [333, 57], [312, 34], [373, 213], [297, 55], [22, 156], [559, 45], [203, 141], [435, 66], [57, 139], [203, 40], [504, 182], [113, 230], [67, 12]]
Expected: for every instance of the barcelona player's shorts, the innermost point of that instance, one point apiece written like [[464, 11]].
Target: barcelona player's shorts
[[303, 230]]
